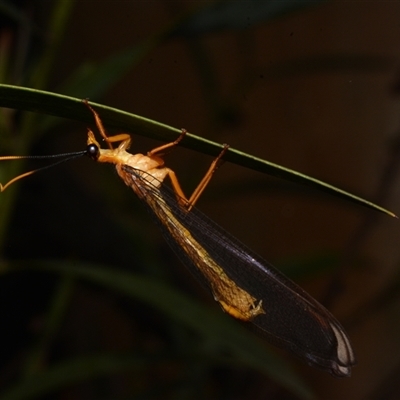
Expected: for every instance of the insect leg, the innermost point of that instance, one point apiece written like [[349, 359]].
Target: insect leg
[[189, 203], [121, 137], [207, 177], [166, 146], [99, 123]]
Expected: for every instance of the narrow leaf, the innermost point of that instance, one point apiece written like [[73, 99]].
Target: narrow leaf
[[215, 327], [69, 107]]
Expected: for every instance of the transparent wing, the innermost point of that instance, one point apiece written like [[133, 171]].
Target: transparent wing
[[292, 318]]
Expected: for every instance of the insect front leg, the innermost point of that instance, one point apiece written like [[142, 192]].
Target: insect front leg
[[124, 138]]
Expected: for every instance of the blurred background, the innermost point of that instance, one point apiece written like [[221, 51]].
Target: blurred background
[[313, 86]]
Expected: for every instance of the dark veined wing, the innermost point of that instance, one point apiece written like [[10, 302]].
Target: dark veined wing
[[291, 318]]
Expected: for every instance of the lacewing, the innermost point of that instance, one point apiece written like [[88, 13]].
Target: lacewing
[[245, 285]]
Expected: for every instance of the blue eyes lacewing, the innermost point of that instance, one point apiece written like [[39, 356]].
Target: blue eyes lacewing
[[246, 286]]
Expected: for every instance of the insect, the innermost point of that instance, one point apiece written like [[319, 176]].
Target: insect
[[246, 286]]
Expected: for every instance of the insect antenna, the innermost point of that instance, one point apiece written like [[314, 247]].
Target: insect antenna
[[65, 157]]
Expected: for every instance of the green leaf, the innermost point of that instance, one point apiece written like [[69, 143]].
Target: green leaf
[[233, 15], [69, 107], [226, 334], [71, 372]]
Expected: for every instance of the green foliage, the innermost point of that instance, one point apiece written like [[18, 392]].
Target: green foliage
[[188, 337]]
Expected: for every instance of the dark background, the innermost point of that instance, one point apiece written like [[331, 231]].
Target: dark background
[[315, 90]]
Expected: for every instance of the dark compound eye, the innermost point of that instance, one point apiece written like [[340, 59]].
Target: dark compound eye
[[93, 151]]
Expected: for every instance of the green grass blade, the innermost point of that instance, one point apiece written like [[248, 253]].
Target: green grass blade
[[69, 107], [233, 15], [71, 372], [212, 325]]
